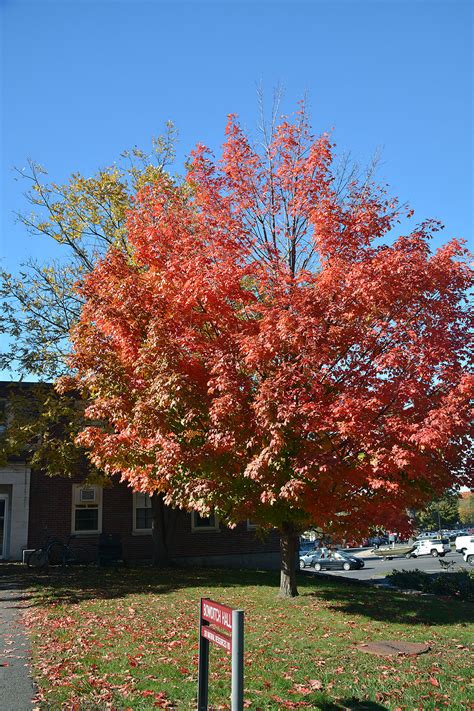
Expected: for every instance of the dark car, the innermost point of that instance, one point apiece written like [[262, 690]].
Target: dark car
[[338, 561]]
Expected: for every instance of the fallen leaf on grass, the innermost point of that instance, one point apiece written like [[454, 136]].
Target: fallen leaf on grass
[[162, 701], [433, 681], [307, 688], [301, 689], [288, 704]]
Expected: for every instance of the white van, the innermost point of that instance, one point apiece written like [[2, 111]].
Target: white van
[[462, 542]]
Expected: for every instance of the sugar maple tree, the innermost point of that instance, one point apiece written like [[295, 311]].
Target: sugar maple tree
[[262, 353]]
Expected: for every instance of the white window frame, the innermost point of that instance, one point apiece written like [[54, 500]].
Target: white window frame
[[138, 531], [76, 489], [203, 529], [251, 526]]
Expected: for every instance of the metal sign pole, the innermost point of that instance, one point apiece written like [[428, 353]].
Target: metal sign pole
[[237, 694], [203, 668]]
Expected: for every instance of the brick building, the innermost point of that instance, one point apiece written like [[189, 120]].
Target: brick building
[[33, 505]]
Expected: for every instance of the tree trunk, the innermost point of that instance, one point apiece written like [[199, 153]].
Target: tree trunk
[[160, 554], [288, 551]]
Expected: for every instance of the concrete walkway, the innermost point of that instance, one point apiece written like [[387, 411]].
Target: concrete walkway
[[16, 685]]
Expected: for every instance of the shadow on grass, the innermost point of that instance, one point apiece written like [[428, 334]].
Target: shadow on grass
[[394, 606], [80, 583], [77, 584], [351, 705]]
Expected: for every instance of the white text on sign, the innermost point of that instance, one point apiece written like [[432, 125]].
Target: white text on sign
[[219, 639], [218, 614]]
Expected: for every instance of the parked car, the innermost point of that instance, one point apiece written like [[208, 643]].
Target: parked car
[[468, 554], [452, 535], [462, 542], [431, 546], [309, 558], [427, 535], [335, 560]]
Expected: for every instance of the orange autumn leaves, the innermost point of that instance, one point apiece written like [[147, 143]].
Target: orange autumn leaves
[[263, 352]]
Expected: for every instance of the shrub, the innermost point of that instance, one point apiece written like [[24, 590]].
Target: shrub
[[459, 585]]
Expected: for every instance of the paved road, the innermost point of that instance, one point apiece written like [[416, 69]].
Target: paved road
[[376, 569], [16, 686]]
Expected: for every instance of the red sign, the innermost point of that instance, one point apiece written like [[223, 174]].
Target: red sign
[[217, 614], [232, 622], [220, 639]]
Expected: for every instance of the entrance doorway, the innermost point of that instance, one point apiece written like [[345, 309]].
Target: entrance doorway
[[3, 525]]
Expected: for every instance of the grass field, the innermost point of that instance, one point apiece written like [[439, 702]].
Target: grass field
[[127, 639]]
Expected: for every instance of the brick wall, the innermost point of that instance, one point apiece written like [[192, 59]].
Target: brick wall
[[51, 506]]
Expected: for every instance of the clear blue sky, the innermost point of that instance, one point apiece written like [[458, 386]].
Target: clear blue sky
[[82, 80]]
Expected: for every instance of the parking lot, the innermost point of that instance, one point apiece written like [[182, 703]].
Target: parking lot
[[376, 568]]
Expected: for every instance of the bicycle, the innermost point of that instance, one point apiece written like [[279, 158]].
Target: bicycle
[[55, 552]]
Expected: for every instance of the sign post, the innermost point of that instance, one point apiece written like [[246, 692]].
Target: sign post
[[237, 693], [231, 640], [203, 668]]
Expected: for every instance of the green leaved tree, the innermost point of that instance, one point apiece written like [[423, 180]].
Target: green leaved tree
[[84, 217], [466, 508], [439, 514]]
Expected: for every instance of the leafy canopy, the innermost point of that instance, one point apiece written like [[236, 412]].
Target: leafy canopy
[[261, 350]]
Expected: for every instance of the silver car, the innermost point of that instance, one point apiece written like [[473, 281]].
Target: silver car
[[310, 558]]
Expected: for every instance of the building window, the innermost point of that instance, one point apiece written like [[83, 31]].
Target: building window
[[204, 523], [142, 513], [251, 525], [86, 509]]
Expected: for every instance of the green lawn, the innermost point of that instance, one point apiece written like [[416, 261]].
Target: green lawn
[[127, 639]]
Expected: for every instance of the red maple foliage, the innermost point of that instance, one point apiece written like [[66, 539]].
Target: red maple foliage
[[263, 352]]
